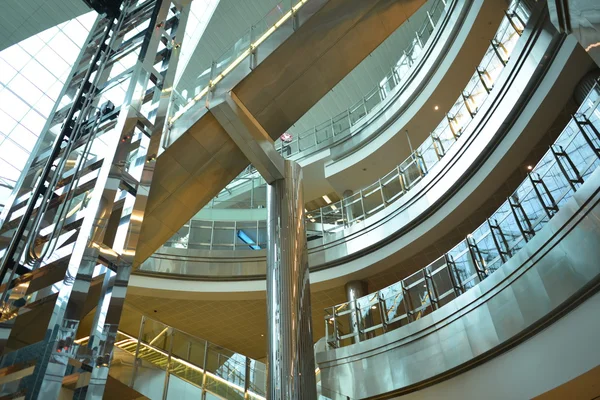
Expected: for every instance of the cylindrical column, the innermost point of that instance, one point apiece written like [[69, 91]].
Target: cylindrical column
[[291, 363], [355, 290], [348, 207]]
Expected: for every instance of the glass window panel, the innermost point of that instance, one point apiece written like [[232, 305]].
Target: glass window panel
[[7, 73], [44, 106], [13, 105], [13, 154], [7, 123], [23, 136], [53, 62], [25, 89], [64, 47], [38, 75], [15, 56]]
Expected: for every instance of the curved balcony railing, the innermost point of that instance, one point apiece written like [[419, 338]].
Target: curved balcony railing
[[340, 126], [333, 218], [561, 171]]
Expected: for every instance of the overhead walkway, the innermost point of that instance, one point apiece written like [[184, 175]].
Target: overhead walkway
[[290, 71], [381, 219]]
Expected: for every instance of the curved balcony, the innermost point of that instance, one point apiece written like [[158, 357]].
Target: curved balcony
[[420, 68], [197, 262], [529, 263]]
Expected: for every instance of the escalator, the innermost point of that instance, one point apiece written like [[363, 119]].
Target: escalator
[[141, 365]]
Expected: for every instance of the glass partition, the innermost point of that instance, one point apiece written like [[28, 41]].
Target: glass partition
[[168, 363], [572, 158]]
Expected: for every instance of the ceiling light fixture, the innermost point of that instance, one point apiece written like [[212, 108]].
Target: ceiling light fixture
[[327, 199], [436, 108]]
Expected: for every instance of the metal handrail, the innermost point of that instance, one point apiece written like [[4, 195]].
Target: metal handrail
[[337, 216], [571, 159], [340, 125]]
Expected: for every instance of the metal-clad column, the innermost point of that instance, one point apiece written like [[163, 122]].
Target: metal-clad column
[[355, 290], [291, 364]]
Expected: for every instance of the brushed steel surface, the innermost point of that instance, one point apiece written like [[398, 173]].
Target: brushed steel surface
[[399, 220], [557, 269], [290, 357]]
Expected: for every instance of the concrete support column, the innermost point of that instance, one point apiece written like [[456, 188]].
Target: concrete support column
[[290, 358]]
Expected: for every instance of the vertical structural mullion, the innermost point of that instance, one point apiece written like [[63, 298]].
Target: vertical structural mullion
[[525, 233], [247, 379], [485, 86], [204, 370], [585, 134], [170, 333], [496, 243], [454, 277], [137, 352]]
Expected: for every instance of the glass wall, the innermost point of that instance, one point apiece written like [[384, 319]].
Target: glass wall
[[32, 75]]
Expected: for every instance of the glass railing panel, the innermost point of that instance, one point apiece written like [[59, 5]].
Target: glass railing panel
[[353, 208], [370, 317], [332, 218], [428, 153], [418, 295], [392, 186], [341, 124], [444, 136], [200, 235], [403, 66], [181, 238], [154, 333], [442, 282], [225, 373], [464, 265], [511, 231], [357, 112], [557, 187], [372, 198], [388, 84], [224, 235], [459, 117], [257, 380], [323, 132], [307, 140], [411, 173], [180, 388], [343, 323], [582, 156], [486, 248], [372, 99], [491, 67], [247, 235]]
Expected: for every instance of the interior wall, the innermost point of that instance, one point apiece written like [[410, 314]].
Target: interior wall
[[565, 350]]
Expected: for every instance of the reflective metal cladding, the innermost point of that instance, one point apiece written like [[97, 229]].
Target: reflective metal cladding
[[291, 366]]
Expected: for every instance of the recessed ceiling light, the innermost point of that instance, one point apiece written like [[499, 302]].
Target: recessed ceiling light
[[261, 335], [529, 167], [373, 307], [436, 108], [327, 199]]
